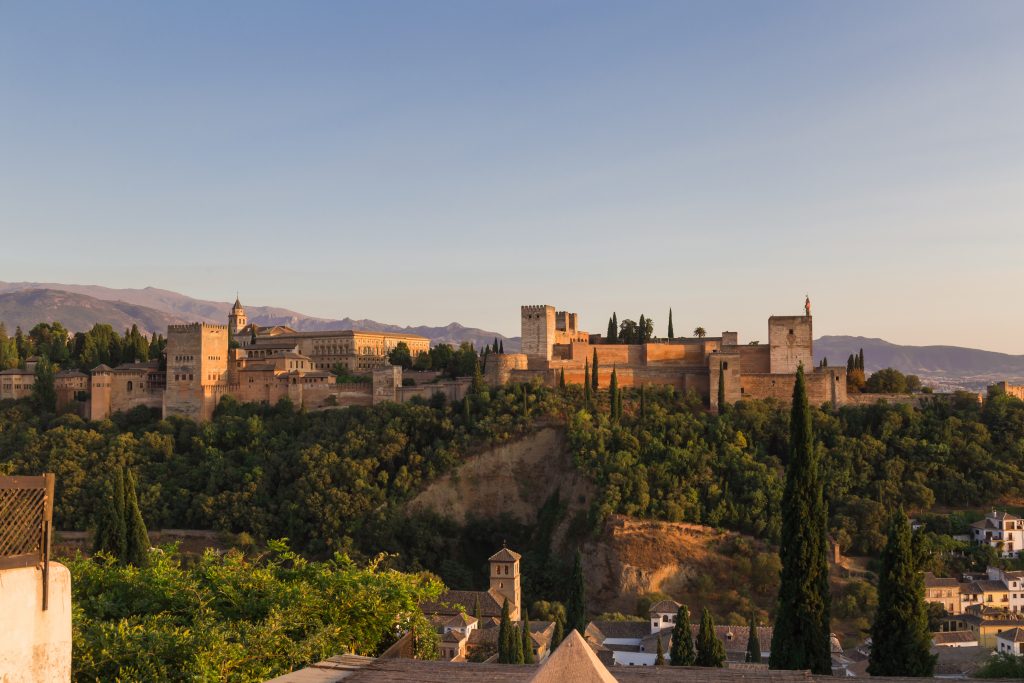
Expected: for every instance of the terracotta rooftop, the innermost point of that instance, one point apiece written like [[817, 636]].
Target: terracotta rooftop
[[932, 581], [505, 555], [453, 602], [951, 637], [665, 607]]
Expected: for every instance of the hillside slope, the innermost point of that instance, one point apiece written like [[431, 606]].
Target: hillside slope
[[78, 313]]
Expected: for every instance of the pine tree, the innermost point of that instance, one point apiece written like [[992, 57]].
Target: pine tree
[[527, 641], [593, 373], [561, 379], [659, 659], [505, 635], [671, 332], [613, 395], [576, 605], [137, 538], [753, 643], [710, 651], [682, 652], [559, 633], [801, 638], [110, 535], [899, 636], [721, 388], [586, 381]]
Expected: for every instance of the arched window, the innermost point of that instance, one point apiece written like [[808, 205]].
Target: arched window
[[129, 385]]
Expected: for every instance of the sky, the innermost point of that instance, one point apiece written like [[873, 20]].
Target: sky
[[429, 162]]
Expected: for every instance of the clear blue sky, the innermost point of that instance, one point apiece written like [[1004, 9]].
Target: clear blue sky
[[423, 162]]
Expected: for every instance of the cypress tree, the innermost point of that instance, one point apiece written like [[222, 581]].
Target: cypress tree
[[801, 638], [526, 401], [517, 644], [593, 373], [753, 642], [721, 388], [467, 411], [561, 379], [615, 327], [613, 395], [137, 538], [527, 641], [111, 532], [850, 364], [501, 346], [559, 633], [641, 328], [495, 347], [671, 332], [618, 406], [682, 653], [586, 381], [659, 659], [899, 636], [576, 605], [710, 651], [505, 635], [611, 331], [860, 360]]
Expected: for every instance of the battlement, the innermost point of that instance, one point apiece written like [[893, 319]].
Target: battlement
[[537, 309], [194, 327]]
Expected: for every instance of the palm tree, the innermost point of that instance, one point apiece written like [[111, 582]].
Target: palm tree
[[700, 332]]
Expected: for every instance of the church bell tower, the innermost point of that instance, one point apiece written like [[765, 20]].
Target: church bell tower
[[236, 319], [505, 580]]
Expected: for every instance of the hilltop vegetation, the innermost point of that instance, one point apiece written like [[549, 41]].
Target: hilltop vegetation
[[339, 480]]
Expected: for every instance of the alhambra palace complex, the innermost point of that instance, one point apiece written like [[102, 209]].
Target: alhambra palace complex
[[250, 363]]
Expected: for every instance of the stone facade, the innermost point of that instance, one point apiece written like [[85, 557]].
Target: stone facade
[[552, 343]]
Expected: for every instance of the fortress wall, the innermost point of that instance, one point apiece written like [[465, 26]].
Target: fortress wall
[[780, 386], [538, 331], [755, 359], [666, 353], [731, 370]]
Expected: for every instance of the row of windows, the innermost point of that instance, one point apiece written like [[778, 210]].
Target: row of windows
[[182, 378], [179, 359]]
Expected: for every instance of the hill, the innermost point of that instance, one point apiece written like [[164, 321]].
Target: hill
[[176, 307], [943, 367], [78, 312]]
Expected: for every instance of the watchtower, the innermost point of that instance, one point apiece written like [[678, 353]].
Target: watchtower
[[538, 331], [505, 580], [236, 319]]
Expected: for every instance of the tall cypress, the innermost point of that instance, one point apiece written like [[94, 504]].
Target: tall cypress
[[527, 641], [671, 332], [613, 395], [561, 379], [111, 534], [753, 643], [682, 652], [615, 327], [516, 644], [850, 365], [593, 373], [611, 331], [659, 658], [801, 638], [899, 636], [137, 538], [559, 633], [501, 346], [860, 360], [641, 328], [710, 651], [618, 406], [576, 605], [505, 635], [721, 388], [586, 381]]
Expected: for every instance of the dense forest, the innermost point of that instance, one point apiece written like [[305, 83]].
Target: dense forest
[[335, 480]]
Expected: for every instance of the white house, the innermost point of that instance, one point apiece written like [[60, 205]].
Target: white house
[[1011, 642], [1002, 531]]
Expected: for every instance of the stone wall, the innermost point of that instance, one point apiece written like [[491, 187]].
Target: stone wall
[[35, 645], [1011, 390], [824, 386]]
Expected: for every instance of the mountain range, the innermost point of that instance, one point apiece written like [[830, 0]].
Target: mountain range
[[78, 307]]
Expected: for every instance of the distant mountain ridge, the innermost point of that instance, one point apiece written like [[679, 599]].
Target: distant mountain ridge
[[945, 367], [79, 307]]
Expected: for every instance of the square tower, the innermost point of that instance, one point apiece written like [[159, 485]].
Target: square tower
[[790, 338], [505, 580], [538, 331], [197, 369]]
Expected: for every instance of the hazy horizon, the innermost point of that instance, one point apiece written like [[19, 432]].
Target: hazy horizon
[[420, 164]]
